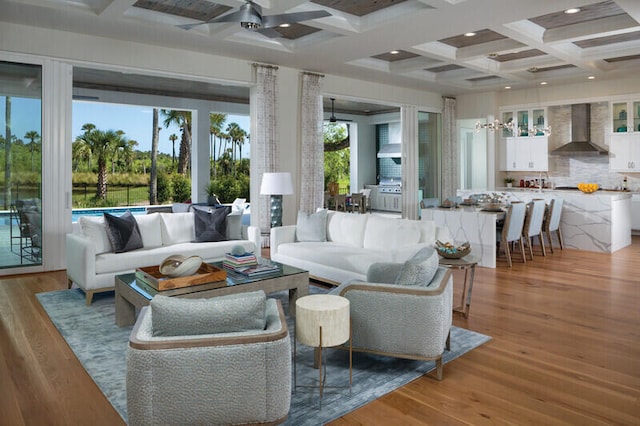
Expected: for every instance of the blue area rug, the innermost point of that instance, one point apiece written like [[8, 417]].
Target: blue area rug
[[101, 346]]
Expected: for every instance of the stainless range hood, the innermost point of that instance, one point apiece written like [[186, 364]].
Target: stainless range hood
[[580, 134], [390, 150]]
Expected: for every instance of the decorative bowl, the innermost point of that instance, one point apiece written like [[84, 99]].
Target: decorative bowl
[[180, 266], [588, 188], [450, 251]]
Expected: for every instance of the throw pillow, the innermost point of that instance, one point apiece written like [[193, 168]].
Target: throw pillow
[[123, 232], [150, 227], [210, 225], [420, 269], [174, 316], [234, 225], [95, 230], [312, 226]]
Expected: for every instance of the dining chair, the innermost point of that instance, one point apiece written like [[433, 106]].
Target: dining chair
[[533, 225], [552, 222], [341, 202], [357, 203], [511, 232]]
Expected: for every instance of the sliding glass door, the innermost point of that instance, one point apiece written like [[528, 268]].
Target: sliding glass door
[[20, 154]]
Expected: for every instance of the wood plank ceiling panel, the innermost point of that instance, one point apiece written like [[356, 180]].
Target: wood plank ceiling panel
[[201, 10], [587, 13], [481, 36], [605, 41], [358, 7], [391, 57]]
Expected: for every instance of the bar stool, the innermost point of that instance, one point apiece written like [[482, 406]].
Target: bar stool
[[533, 225], [512, 229], [552, 222]]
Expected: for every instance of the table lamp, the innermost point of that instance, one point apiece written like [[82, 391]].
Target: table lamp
[[276, 185]]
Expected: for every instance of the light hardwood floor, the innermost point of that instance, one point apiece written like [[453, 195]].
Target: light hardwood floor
[[565, 350]]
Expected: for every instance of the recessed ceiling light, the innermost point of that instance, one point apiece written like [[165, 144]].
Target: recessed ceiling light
[[543, 83], [507, 87], [592, 77], [284, 25], [469, 34], [572, 11], [394, 52]]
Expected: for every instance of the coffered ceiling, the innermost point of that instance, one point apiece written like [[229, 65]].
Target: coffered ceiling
[[422, 44]]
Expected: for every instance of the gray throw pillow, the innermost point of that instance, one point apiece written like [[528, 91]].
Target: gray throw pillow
[[210, 225], [123, 232], [174, 316], [312, 227], [420, 269], [234, 226]]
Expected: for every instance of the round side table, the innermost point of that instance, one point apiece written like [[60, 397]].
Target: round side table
[[468, 265], [322, 321]]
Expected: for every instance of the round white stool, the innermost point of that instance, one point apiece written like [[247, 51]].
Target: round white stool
[[322, 321]]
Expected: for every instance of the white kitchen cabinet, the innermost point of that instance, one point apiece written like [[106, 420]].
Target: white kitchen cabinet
[[625, 116], [525, 154], [624, 152]]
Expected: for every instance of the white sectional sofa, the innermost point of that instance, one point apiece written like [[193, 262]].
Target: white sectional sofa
[[352, 243], [92, 264]]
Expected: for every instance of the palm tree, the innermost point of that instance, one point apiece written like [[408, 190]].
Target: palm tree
[[183, 120], [216, 121], [104, 145], [80, 151], [237, 134], [32, 136], [153, 182], [173, 138]]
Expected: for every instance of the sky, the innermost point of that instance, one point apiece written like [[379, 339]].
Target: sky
[[135, 121]]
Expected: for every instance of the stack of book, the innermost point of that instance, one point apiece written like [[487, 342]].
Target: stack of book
[[259, 269], [238, 262]]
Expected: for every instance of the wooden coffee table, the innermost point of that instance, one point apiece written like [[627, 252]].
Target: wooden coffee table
[[132, 295]]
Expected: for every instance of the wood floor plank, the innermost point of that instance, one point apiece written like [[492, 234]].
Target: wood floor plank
[[565, 349]]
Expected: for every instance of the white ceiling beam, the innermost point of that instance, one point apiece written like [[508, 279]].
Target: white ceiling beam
[[485, 48], [114, 9], [411, 64]]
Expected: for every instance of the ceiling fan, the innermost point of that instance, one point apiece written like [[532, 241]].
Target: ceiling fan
[[333, 118], [250, 17]]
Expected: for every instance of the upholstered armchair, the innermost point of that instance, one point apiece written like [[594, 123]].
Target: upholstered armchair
[[403, 310], [224, 360]]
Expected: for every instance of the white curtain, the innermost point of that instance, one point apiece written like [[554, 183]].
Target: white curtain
[[450, 157], [410, 154], [264, 136], [312, 150]]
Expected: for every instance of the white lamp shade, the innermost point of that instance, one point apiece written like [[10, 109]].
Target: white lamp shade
[[276, 184]]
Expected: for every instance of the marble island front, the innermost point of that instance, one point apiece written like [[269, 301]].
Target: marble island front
[[598, 222]]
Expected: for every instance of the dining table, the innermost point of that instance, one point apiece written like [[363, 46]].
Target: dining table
[[472, 224]]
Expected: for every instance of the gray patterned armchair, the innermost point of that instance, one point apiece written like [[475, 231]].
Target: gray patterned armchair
[[239, 373], [403, 310]]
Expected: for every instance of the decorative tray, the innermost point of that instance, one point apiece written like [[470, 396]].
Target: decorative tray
[[206, 274]]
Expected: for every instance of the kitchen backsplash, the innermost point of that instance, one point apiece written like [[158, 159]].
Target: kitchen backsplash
[[569, 171]]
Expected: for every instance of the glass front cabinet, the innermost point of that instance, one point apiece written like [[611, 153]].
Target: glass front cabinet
[[624, 142], [525, 148]]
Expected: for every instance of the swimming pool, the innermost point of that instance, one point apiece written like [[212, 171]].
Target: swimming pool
[[117, 211]]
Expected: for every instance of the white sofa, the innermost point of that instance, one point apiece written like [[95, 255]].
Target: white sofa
[[353, 243], [92, 264]]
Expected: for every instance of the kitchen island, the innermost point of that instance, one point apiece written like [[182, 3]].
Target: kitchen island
[[599, 222]]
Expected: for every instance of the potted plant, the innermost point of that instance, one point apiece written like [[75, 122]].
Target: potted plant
[[509, 181], [212, 198]]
